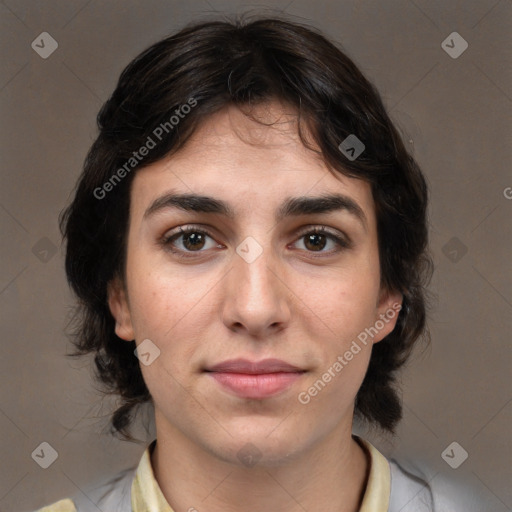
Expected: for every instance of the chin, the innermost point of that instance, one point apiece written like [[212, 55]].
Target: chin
[[259, 446]]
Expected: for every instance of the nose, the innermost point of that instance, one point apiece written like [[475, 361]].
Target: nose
[[256, 298]]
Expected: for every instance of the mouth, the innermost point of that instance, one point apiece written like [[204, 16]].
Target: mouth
[[255, 380]]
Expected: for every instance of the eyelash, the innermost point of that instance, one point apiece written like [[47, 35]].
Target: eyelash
[[167, 240]]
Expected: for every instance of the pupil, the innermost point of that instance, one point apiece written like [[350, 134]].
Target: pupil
[[194, 239], [314, 241], [318, 244]]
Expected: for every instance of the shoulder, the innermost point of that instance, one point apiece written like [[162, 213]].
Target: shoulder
[[409, 492], [60, 506], [112, 496], [401, 489]]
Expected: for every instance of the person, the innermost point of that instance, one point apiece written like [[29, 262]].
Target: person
[[248, 243]]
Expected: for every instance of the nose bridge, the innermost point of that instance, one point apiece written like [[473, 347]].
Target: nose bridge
[[255, 297], [253, 270]]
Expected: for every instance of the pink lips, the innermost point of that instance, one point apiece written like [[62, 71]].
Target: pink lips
[[255, 380]]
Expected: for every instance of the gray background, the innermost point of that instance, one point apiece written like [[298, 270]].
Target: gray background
[[455, 115]]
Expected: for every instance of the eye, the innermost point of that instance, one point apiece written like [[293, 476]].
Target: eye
[[319, 238], [189, 239]]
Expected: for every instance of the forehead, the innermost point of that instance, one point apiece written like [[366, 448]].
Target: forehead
[[247, 163]]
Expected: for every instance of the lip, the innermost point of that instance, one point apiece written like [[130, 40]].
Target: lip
[[254, 367], [256, 380]]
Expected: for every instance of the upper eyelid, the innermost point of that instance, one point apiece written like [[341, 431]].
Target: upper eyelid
[[321, 228], [312, 228], [305, 229]]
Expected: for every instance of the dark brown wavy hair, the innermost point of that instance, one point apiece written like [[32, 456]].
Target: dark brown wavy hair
[[244, 62]]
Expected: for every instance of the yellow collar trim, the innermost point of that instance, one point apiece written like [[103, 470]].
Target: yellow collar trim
[[147, 495]]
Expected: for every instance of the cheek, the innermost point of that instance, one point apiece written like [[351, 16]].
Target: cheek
[[330, 393], [346, 303], [163, 301], [173, 311]]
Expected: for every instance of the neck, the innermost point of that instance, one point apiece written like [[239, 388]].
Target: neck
[[330, 476]]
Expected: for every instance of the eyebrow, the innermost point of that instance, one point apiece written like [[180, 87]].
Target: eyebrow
[[291, 207]]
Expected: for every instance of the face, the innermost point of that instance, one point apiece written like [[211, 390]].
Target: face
[[255, 294]]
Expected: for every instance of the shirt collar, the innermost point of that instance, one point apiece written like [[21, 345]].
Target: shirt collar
[[148, 497], [378, 487], [146, 493]]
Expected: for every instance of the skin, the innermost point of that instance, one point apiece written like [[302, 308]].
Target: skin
[[294, 303]]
